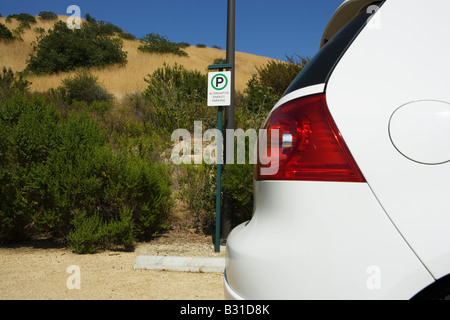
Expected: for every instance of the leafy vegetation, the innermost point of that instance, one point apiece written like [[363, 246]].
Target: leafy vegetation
[[266, 87], [63, 49], [156, 43], [11, 83], [5, 33], [55, 167], [176, 96], [23, 17], [48, 15], [84, 87]]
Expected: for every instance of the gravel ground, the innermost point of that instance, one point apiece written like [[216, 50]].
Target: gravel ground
[[39, 271]]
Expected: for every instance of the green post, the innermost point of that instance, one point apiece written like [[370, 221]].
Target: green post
[[219, 181], [220, 67]]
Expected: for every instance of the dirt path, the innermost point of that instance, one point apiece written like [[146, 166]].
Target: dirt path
[[33, 273]]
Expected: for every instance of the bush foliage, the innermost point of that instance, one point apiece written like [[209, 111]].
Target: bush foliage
[[23, 17], [11, 83], [266, 87], [176, 96], [48, 15], [85, 87], [156, 43], [5, 33], [63, 49], [53, 169]]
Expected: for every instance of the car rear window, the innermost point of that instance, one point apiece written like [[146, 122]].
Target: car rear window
[[319, 69]]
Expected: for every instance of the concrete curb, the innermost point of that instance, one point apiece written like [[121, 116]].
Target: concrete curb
[[180, 264]]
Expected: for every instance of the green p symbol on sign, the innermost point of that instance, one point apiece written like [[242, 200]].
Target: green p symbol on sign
[[219, 81]]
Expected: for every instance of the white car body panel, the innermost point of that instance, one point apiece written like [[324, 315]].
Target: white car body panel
[[385, 239], [320, 240], [363, 94]]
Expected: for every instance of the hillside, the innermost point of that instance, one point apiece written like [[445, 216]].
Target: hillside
[[129, 78]]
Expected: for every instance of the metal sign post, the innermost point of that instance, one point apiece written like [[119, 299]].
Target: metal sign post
[[219, 95]]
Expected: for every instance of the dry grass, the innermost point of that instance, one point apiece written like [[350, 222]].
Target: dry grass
[[121, 80]]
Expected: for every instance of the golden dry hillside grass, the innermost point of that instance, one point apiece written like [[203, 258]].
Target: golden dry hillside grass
[[121, 80]]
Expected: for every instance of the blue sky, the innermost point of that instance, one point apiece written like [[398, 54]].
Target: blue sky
[[263, 27]]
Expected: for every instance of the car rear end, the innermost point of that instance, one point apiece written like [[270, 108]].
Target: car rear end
[[321, 228]]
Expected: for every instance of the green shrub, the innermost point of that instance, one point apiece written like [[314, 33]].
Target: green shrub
[[24, 25], [52, 167], [5, 33], [278, 75], [144, 187], [102, 28], [219, 61], [84, 87], [127, 36], [197, 186], [63, 49], [119, 232], [201, 45], [156, 43], [23, 17], [177, 98], [11, 83], [28, 138], [85, 237], [48, 15], [266, 87], [183, 45], [39, 30], [91, 233], [238, 182]]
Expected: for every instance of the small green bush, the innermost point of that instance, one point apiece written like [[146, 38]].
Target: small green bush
[[39, 30], [85, 237], [23, 17], [198, 192], [84, 87], [220, 61], [266, 87], [156, 43], [127, 36], [5, 33], [201, 45], [183, 45], [11, 83], [91, 233], [48, 15], [176, 96], [238, 181], [102, 28], [278, 75]]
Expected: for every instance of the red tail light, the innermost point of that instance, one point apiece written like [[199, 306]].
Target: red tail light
[[309, 145]]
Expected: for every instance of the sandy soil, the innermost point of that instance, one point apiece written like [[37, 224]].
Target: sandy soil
[[38, 271]]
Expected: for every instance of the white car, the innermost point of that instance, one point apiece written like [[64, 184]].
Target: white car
[[359, 207]]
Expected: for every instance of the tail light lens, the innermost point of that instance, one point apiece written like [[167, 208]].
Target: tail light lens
[[306, 145]]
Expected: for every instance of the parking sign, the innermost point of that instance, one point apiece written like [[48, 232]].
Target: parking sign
[[219, 93]]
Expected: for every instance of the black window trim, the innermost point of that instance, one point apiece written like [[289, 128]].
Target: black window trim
[[358, 23]]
